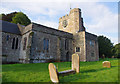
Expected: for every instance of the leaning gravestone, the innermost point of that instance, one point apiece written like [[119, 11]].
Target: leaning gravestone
[[106, 64], [53, 73]]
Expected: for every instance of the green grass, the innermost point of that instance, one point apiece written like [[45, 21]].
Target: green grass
[[89, 72]]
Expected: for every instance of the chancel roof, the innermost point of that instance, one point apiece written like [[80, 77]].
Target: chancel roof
[[9, 27]]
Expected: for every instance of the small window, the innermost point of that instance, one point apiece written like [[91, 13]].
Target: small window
[[92, 54], [91, 43], [24, 45], [77, 49], [7, 38]]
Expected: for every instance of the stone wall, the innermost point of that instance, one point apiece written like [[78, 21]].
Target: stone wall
[[82, 39], [9, 54], [79, 41], [25, 53], [0, 47], [62, 43], [56, 51], [92, 53]]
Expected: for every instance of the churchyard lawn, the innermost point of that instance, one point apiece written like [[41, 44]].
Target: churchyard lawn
[[89, 72]]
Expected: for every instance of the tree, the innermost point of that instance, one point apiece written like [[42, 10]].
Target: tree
[[116, 50], [105, 46], [7, 17], [2, 15], [21, 18]]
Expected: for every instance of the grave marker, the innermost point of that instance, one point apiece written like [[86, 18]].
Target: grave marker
[[54, 74], [75, 62], [106, 64]]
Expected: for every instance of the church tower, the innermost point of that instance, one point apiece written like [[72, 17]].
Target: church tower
[[84, 44], [73, 22]]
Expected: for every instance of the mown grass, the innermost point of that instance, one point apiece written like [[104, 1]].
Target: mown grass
[[89, 72]]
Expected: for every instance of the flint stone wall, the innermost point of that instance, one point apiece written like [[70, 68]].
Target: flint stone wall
[[56, 38], [9, 54], [92, 53]]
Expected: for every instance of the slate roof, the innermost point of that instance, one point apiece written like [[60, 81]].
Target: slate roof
[[9, 27], [40, 25]]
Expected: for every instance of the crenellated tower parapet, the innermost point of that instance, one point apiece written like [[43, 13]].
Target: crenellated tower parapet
[[72, 22]]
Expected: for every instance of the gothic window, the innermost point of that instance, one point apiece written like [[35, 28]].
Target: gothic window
[[13, 43], [46, 44], [24, 44], [7, 38], [66, 44], [77, 49], [16, 47], [60, 43]]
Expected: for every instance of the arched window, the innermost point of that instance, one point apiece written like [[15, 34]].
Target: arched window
[[7, 37], [66, 44], [13, 43], [24, 44], [46, 44], [16, 47]]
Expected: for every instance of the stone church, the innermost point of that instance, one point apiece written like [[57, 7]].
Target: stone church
[[37, 43]]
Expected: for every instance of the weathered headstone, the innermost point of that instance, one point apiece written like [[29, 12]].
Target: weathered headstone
[[106, 64], [113, 56], [103, 56], [75, 62], [53, 73]]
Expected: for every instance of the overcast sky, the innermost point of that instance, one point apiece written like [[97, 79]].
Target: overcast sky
[[100, 18]]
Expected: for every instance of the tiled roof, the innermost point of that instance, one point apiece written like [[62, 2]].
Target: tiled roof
[[9, 27]]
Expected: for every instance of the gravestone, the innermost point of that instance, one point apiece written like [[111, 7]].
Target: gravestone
[[75, 63], [113, 56], [106, 64], [103, 56], [53, 73]]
